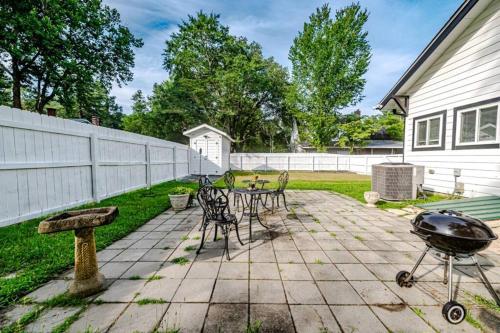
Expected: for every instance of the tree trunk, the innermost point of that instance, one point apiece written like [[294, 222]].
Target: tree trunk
[[16, 85]]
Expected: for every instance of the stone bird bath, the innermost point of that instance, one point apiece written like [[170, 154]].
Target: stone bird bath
[[87, 280]]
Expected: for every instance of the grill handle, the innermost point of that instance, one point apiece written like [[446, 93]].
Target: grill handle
[[450, 212], [424, 237]]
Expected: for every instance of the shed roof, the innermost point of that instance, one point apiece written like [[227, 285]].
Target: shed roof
[[204, 128], [456, 24]]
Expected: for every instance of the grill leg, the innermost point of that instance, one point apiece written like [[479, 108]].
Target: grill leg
[[486, 282], [450, 278], [445, 278], [409, 277]]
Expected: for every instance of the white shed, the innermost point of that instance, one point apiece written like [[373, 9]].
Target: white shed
[[210, 149]]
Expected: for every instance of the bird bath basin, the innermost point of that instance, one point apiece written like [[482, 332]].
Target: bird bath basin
[[87, 280]]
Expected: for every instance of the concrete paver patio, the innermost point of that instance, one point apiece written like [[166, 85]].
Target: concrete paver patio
[[328, 265]]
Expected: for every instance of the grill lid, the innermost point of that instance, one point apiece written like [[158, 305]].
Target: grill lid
[[453, 224]]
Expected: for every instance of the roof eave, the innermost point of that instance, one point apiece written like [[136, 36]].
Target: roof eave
[[442, 34]]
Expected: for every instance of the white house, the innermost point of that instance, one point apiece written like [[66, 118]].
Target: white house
[[210, 149], [450, 97]]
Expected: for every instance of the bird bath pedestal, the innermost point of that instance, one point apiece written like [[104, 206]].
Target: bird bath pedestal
[[87, 280]]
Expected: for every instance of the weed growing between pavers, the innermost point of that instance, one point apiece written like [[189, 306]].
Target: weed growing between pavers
[[318, 261], [36, 258], [62, 300], [155, 277], [419, 312], [170, 330], [333, 234], [180, 261], [184, 238], [145, 301], [196, 238], [254, 327], [69, 321], [190, 248], [471, 320], [134, 277], [480, 300], [359, 238]]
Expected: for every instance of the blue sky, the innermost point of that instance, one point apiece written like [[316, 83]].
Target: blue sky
[[397, 32]]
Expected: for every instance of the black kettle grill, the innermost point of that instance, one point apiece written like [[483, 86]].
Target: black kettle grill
[[455, 235]]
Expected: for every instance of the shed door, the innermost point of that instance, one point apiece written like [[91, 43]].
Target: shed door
[[206, 160]]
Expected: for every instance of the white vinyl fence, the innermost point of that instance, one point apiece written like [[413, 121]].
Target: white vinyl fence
[[361, 164], [48, 163]]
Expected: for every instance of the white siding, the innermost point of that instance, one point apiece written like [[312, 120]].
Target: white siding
[[467, 72]]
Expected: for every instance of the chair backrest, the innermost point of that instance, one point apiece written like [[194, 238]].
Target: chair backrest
[[214, 202], [203, 180], [229, 180], [282, 181]]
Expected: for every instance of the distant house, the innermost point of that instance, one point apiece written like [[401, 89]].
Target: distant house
[[450, 97]]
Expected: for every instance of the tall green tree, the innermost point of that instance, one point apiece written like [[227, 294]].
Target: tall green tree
[[227, 80], [52, 46], [5, 89], [329, 58], [94, 100], [390, 125], [138, 120], [356, 132]]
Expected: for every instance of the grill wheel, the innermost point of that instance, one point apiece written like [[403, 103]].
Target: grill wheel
[[402, 276], [454, 312]]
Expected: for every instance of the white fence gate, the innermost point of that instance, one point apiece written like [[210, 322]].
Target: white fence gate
[[48, 163], [361, 164]]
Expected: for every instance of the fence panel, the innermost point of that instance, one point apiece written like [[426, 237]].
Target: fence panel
[[309, 162], [48, 163]]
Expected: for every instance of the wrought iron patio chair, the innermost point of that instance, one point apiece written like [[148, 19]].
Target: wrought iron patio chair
[[215, 205], [202, 181], [229, 182], [280, 191]]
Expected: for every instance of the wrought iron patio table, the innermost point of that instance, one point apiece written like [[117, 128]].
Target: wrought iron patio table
[[262, 182], [251, 205]]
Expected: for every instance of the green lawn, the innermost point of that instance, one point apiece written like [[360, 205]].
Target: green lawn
[[347, 183], [33, 259]]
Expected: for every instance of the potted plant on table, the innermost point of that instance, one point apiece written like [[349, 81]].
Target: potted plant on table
[[180, 197]]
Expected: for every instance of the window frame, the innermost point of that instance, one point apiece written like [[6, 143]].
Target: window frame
[[477, 109], [441, 115]]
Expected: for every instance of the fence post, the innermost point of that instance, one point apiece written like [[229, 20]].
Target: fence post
[[241, 162], [174, 169], [337, 162], [313, 162], [94, 157], [288, 163], [265, 168], [189, 159], [148, 166], [366, 165]]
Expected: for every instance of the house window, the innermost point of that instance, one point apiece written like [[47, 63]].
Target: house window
[[477, 126], [429, 132]]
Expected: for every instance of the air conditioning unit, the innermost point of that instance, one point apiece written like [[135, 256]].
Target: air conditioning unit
[[397, 181]]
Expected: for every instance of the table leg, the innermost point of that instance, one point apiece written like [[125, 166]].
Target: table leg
[[259, 198], [250, 217]]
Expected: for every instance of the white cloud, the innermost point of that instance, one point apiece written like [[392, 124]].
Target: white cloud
[[398, 30]]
